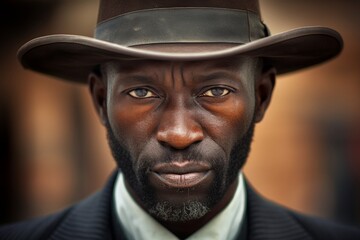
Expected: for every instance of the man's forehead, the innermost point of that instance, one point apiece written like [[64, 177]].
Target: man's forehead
[[130, 66]]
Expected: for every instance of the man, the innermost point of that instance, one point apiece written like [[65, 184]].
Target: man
[[179, 87]]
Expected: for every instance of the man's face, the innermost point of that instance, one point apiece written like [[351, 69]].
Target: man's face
[[180, 131]]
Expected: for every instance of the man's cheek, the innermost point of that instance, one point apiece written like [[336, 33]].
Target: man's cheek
[[227, 133], [127, 123]]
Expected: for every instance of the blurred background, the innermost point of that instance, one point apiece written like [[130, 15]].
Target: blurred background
[[306, 152]]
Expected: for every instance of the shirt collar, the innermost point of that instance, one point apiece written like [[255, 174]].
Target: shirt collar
[[137, 224]]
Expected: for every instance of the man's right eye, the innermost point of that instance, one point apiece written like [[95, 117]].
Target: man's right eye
[[142, 93]]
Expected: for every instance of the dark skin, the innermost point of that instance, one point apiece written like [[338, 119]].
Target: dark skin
[[158, 106], [185, 229]]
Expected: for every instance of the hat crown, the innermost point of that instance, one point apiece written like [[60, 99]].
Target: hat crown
[[174, 30], [112, 8]]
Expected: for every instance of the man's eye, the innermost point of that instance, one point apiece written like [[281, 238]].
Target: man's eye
[[215, 92], [142, 93]]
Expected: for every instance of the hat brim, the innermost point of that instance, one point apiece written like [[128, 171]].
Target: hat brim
[[73, 57]]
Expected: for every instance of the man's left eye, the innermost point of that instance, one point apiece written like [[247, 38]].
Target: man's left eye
[[142, 93], [215, 92]]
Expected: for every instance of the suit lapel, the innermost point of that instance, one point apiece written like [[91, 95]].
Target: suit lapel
[[90, 219], [267, 220]]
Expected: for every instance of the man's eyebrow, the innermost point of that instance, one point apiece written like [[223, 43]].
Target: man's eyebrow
[[221, 74], [136, 78]]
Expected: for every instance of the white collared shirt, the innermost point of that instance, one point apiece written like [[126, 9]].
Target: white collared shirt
[[137, 224]]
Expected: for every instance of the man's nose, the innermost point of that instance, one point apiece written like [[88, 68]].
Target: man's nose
[[179, 129]]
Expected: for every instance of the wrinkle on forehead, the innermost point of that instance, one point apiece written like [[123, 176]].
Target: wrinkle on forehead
[[249, 68], [177, 73]]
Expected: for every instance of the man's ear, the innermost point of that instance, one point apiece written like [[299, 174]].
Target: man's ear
[[264, 87], [98, 94]]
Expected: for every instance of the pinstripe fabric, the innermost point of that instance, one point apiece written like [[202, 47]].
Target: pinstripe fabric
[[268, 221], [90, 220], [93, 219], [35, 229]]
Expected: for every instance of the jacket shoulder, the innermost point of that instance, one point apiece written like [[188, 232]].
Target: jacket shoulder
[[38, 228], [268, 220], [87, 219], [326, 229]]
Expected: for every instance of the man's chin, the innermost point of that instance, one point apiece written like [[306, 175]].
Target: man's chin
[[182, 204], [185, 211], [176, 201]]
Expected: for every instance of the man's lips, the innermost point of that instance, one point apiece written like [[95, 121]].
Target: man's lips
[[184, 174]]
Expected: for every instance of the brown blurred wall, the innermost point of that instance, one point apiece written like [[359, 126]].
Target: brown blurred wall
[[304, 153]]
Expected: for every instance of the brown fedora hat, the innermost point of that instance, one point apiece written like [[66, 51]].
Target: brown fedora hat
[[178, 30]]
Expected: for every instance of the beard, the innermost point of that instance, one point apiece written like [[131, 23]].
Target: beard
[[135, 172]]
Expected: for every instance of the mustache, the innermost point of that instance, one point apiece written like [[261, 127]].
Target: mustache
[[155, 153]]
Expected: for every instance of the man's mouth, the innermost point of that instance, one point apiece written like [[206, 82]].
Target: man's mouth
[[184, 174]]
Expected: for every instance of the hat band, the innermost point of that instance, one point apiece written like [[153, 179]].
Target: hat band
[[182, 25]]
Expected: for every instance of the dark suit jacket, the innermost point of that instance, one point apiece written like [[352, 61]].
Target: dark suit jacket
[[92, 218]]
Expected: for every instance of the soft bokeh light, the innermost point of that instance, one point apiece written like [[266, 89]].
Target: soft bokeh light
[[305, 153]]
